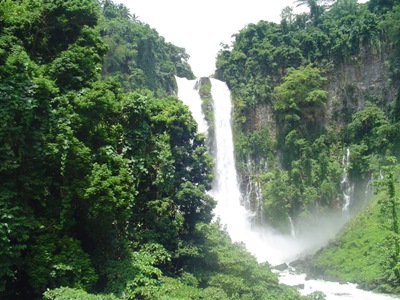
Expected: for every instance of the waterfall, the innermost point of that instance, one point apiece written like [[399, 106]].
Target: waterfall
[[189, 94], [251, 187], [263, 242], [258, 197], [226, 187], [292, 227], [345, 185], [370, 189]]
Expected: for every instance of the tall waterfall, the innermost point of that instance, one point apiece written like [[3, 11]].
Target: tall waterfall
[[226, 187], [264, 243]]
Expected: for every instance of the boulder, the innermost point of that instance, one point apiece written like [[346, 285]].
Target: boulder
[[281, 267]]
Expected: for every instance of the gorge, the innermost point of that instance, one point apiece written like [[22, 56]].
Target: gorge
[[263, 241]]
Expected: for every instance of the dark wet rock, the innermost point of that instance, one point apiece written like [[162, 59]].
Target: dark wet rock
[[301, 265], [296, 263], [281, 267]]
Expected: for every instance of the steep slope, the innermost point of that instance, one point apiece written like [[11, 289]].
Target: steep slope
[[361, 252]]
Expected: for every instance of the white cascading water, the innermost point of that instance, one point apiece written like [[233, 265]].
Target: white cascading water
[[252, 193], [292, 227], [225, 187], [346, 186], [264, 243], [190, 96]]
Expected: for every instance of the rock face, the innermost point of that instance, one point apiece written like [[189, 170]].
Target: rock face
[[203, 85], [263, 116], [351, 84]]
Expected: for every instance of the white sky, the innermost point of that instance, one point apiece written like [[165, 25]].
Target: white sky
[[201, 26]]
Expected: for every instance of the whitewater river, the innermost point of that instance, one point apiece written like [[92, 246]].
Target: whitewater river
[[264, 243], [332, 290]]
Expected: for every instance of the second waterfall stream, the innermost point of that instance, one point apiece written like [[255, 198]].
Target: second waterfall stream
[[264, 243]]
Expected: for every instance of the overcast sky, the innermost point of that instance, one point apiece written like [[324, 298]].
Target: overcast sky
[[201, 26]]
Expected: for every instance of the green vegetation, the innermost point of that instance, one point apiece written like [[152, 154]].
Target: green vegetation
[[300, 102], [204, 86], [356, 254], [103, 175], [302, 96], [365, 252], [292, 112], [104, 178], [137, 56]]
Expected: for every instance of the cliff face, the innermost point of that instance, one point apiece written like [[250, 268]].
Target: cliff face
[[263, 117], [351, 84]]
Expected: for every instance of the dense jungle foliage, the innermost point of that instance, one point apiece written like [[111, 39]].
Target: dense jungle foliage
[[287, 69], [103, 175], [300, 108]]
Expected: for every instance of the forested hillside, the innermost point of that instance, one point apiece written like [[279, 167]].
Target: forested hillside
[[103, 175], [137, 56], [317, 114]]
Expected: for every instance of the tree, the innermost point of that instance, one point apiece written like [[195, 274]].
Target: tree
[[24, 127], [300, 99], [194, 204], [316, 9], [56, 261], [366, 126], [52, 26], [138, 56], [381, 6], [391, 24]]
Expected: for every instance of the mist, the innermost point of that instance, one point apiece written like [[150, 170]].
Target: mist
[[269, 245]]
